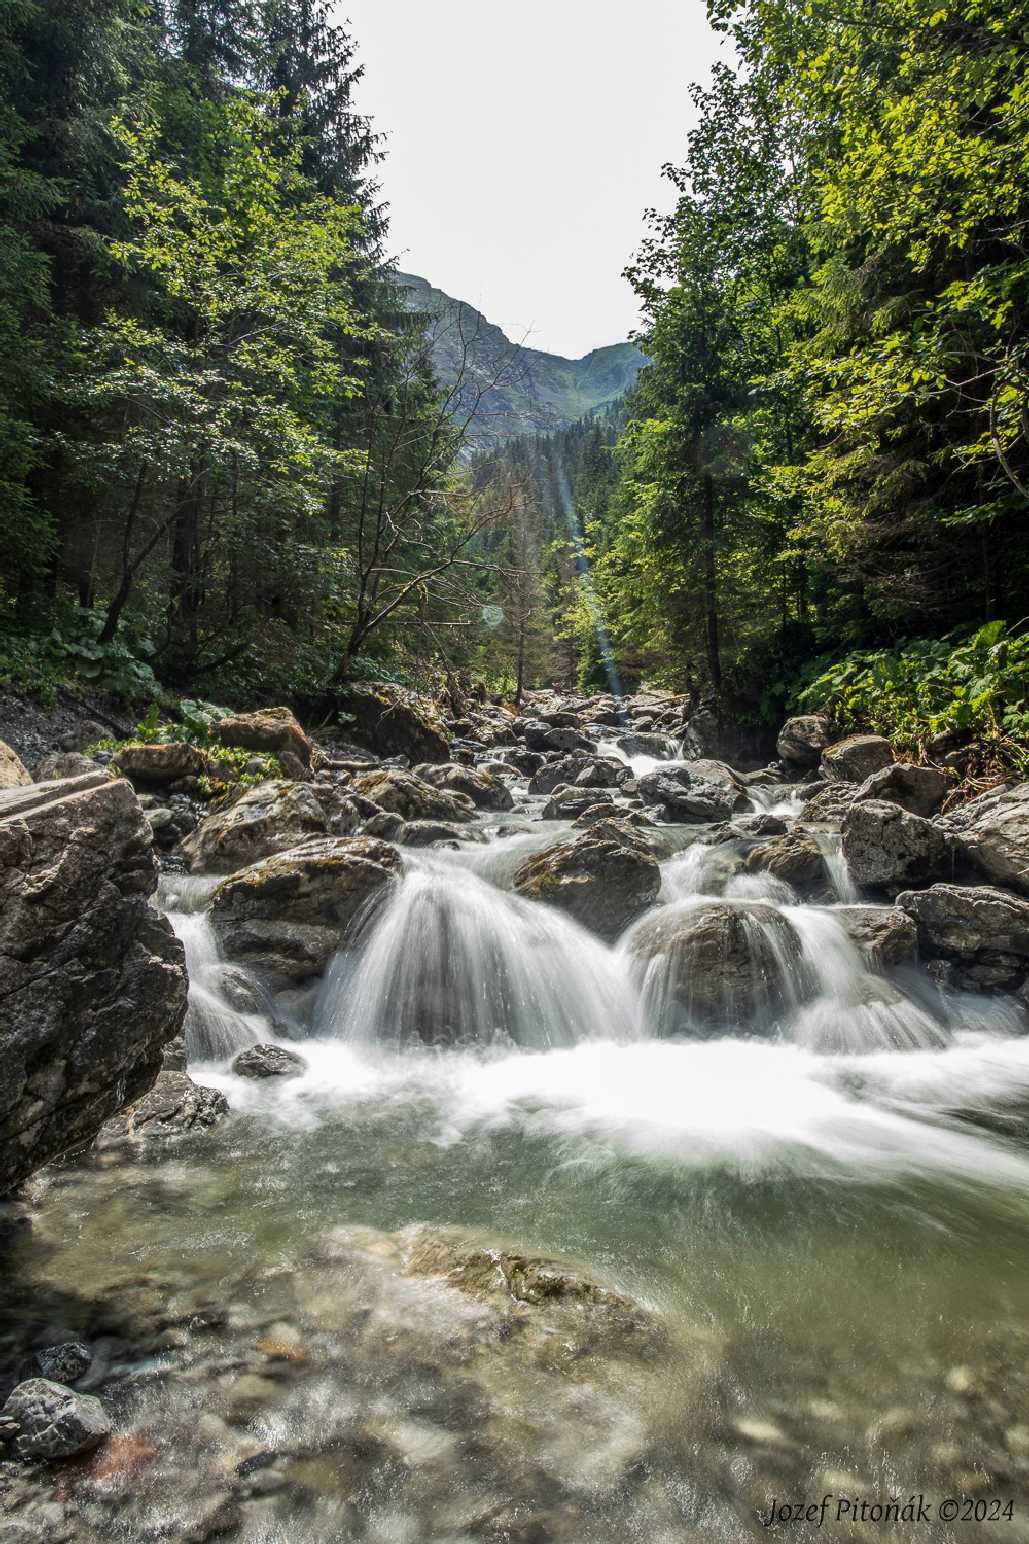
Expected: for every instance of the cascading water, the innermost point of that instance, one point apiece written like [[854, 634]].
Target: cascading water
[[214, 1029], [453, 960]]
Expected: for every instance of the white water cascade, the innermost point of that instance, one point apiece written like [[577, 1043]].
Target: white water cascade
[[214, 1030]]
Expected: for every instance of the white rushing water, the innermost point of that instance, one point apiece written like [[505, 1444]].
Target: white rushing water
[[215, 1030]]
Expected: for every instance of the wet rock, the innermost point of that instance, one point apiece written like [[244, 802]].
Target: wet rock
[[288, 914], [602, 774], [268, 1061], [564, 770], [604, 879], [175, 1107], [887, 848], [759, 824], [436, 833], [855, 758], [803, 739], [63, 764], [991, 834], [13, 771], [828, 806], [886, 935], [66, 1363], [708, 770], [569, 803], [525, 763], [688, 800], [401, 793], [718, 966], [94, 982], [660, 745], [796, 859], [387, 826], [704, 736], [983, 930], [275, 732], [485, 792], [160, 764], [919, 790], [625, 817], [267, 819], [393, 721], [54, 1421]]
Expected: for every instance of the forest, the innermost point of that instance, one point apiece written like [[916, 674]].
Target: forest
[[227, 470]]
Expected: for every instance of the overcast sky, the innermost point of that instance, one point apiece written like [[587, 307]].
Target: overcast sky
[[525, 141]]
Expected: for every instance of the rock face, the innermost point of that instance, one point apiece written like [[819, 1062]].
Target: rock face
[[992, 834], [94, 981], [718, 966], [269, 818], [985, 931], [485, 791], [795, 858], [160, 764], [274, 731], [885, 935], [885, 847], [287, 915], [13, 772], [392, 721], [54, 1421], [604, 879], [919, 790], [803, 739], [401, 793], [857, 757], [175, 1107]]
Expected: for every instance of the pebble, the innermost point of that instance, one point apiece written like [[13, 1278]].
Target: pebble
[[966, 1382], [762, 1433]]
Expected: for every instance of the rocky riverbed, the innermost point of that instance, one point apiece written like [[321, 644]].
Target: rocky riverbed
[[575, 1138]]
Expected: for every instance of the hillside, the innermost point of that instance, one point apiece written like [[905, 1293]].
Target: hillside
[[510, 389]]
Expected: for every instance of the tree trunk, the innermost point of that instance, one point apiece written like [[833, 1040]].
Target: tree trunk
[[184, 598], [714, 659]]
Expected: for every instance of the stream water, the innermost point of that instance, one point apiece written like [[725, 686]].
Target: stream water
[[826, 1227]]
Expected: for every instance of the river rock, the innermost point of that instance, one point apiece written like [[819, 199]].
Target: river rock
[[829, 805], [392, 721], [402, 793], [269, 818], [64, 764], [703, 736], [887, 848], [687, 799], [94, 981], [66, 1363], [796, 859], [288, 914], [158, 765], [717, 967], [604, 879], [276, 732], [13, 771], [803, 739], [54, 1421], [563, 770], [855, 758], [708, 770], [991, 834], [436, 833], [569, 803], [602, 774], [885, 935], [175, 1107], [985, 931], [661, 746], [484, 790], [268, 1061], [919, 790]]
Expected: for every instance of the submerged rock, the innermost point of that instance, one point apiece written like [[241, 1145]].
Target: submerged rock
[[604, 879], [276, 732], [402, 793], [269, 818], [718, 966], [175, 1107], [268, 1061], [94, 982], [54, 1421], [991, 834], [855, 758], [887, 848], [803, 739]]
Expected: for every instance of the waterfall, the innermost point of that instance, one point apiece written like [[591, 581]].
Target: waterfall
[[214, 1029], [453, 960]]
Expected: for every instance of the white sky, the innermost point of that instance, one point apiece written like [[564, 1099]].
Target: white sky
[[525, 141]]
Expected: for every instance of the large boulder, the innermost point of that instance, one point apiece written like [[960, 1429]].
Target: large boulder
[[886, 848], [53, 1421], [885, 935], [708, 770], [855, 758], [919, 790], [689, 800], [566, 769], [718, 967], [803, 739], [991, 834], [13, 771], [569, 803], [288, 914], [795, 858], [94, 981], [276, 732], [402, 793], [268, 818], [604, 879], [485, 791], [157, 765], [986, 931], [392, 721]]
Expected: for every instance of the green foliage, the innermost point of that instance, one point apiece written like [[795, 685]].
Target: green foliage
[[976, 686], [71, 654]]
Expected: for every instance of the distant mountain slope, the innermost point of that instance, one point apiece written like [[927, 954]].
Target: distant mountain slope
[[509, 389]]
